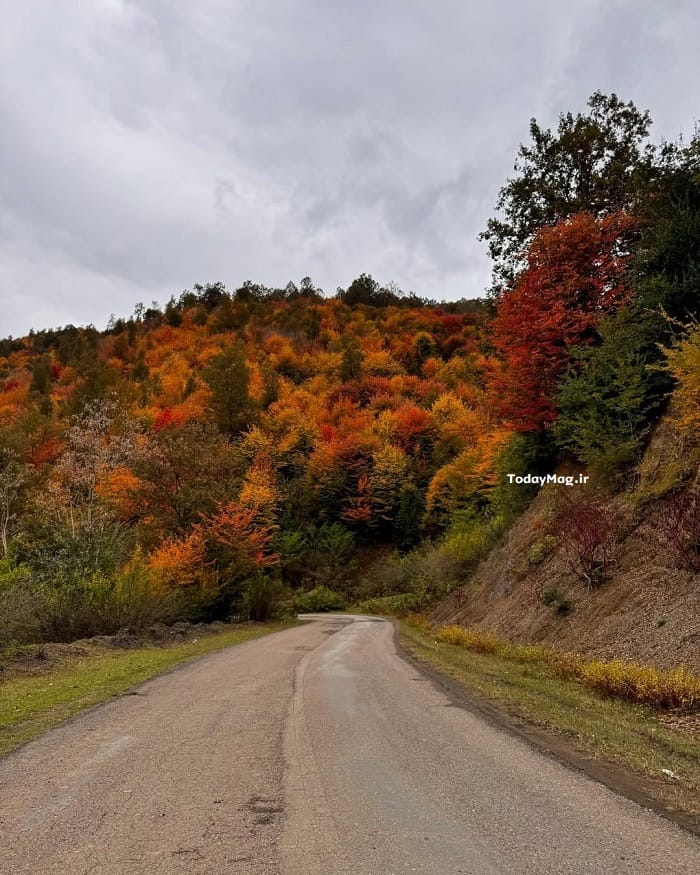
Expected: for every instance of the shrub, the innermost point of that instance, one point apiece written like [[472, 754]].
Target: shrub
[[433, 573], [428, 573], [674, 688], [130, 597], [587, 530], [550, 597], [388, 575], [436, 569], [102, 604], [480, 642], [319, 600], [20, 606], [467, 544], [554, 599], [539, 551], [11, 575], [58, 558], [433, 570], [33, 611], [418, 621], [678, 524], [262, 598], [399, 604], [564, 607]]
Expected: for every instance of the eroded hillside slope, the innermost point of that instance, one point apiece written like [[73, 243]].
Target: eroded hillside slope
[[648, 608]]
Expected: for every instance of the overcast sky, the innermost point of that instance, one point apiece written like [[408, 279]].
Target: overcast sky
[[147, 145]]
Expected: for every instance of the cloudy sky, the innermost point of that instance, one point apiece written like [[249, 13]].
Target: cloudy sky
[[150, 144]]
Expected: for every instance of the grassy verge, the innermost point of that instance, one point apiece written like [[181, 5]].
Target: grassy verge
[[630, 735], [31, 705], [643, 684]]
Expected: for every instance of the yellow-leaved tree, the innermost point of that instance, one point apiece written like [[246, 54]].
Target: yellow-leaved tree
[[683, 362]]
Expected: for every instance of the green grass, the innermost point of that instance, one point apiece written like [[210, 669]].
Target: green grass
[[31, 705], [607, 729]]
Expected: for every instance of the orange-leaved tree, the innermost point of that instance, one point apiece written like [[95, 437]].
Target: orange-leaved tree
[[239, 541], [181, 562]]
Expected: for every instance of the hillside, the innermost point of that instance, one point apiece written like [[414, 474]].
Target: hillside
[[220, 453], [647, 611]]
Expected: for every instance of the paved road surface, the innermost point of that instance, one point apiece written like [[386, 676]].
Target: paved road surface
[[315, 751]]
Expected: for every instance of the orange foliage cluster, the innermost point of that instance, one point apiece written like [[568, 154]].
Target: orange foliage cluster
[[179, 561], [239, 530], [316, 438]]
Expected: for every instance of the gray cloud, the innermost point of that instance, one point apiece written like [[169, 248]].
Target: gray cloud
[[148, 145]]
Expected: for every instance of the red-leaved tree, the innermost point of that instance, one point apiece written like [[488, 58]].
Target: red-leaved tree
[[575, 275]]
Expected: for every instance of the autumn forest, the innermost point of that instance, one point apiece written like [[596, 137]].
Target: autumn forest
[[248, 453]]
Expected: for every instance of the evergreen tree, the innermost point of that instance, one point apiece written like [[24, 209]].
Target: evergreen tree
[[228, 378]]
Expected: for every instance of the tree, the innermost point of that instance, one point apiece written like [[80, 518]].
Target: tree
[[13, 476], [308, 289], [386, 480], [72, 532], [351, 364], [605, 402], [332, 547], [180, 562], [594, 162], [363, 290], [238, 542], [414, 429], [407, 522], [98, 443], [422, 349], [173, 313], [524, 453], [211, 295], [41, 375], [228, 378], [683, 363], [260, 490], [609, 399], [666, 269], [183, 471], [575, 275]]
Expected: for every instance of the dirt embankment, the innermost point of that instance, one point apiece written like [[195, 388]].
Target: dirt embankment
[[648, 609]]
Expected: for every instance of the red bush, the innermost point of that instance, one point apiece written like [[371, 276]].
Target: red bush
[[678, 524], [587, 530]]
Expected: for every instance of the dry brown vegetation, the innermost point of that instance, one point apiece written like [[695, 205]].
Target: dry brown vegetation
[[644, 684]]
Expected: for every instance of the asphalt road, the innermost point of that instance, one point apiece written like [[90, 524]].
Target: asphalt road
[[315, 750]]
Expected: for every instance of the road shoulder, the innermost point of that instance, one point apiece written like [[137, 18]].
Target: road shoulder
[[458, 674], [31, 705]]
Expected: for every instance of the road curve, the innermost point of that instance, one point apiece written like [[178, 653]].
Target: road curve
[[314, 751]]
